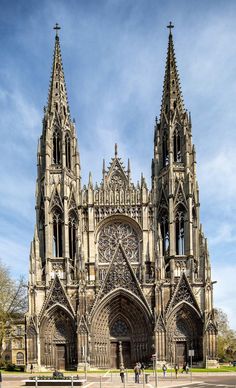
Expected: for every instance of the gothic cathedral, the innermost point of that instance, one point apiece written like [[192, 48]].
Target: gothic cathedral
[[118, 272]]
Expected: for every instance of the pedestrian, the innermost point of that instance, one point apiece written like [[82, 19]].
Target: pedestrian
[[0, 379], [176, 370], [184, 368], [164, 368], [137, 372], [122, 374], [31, 368], [187, 368]]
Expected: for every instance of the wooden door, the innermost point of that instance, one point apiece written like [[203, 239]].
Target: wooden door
[[126, 354], [114, 355], [61, 357], [180, 358]]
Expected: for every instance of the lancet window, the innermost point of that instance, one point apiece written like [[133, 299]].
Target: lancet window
[[56, 148], [179, 231], [177, 146], [57, 233], [68, 151], [165, 234], [42, 235], [165, 152], [72, 235]]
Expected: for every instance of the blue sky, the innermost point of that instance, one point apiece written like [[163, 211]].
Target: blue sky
[[114, 56]]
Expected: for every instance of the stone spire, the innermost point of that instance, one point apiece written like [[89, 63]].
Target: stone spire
[[171, 97], [57, 98]]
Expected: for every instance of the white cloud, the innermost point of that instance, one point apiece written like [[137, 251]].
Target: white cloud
[[217, 175]]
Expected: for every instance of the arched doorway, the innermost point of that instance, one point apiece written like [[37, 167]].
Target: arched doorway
[[120, 331], [58, 340], [185, 332]]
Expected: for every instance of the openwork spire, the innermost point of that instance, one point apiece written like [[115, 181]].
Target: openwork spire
[[57, 99], [171, 97]]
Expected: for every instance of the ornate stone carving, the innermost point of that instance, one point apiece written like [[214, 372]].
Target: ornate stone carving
[[116, 181], [183, 293], [114, 234], [120, 275]]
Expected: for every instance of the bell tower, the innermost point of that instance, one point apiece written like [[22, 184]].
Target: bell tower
[[55, 249], [182, 257]]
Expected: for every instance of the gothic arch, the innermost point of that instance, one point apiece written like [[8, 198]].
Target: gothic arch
[[56, 146], [122, 218], [180, 232], [184, 332], [57, 232], [68, 152], [121, 316], [72, 233], [58, 339]]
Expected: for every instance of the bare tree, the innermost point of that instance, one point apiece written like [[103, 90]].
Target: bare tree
[[13, 300]]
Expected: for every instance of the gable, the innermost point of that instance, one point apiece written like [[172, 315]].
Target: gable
[[120, 275], [56, 296], [183, 293]]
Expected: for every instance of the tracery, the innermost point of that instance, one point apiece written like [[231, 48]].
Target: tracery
[[114, 234]]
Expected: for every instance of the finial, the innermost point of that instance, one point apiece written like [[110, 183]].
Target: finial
[[116, 152], [170, 26], [57, 28], [128, 166], [90, 179]]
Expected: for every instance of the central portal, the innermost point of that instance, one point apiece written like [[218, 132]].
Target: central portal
[[120, 332]]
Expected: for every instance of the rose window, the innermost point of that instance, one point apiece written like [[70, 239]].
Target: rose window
[[115, 234]]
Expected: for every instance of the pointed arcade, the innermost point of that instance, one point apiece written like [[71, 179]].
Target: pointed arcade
[[171, 97], [57, 99]]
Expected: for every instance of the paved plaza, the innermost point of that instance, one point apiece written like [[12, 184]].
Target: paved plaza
[[112, 380]]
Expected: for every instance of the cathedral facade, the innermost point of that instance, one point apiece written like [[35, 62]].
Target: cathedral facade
[[118, 272]]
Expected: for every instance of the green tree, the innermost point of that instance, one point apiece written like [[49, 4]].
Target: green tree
[[13, 300], [226, 337]]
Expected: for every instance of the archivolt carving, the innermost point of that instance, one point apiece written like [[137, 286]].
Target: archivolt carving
[[118, 233]]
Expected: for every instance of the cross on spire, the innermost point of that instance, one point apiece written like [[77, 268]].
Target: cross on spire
[[57, 28], [170, 26]]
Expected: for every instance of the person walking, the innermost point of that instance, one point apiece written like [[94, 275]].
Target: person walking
[[184, 368], [187, 368], [122, 374], [164, 368], [0, 379], [31, 368], [176, 370], [137, 372]]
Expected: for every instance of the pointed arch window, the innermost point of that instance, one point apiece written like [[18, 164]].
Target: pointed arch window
[[57, 234], [68, 151], [56, 148], [42, 235], [72, 235], [165, 152], [165, 234], [177, 146], [179, 231]]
